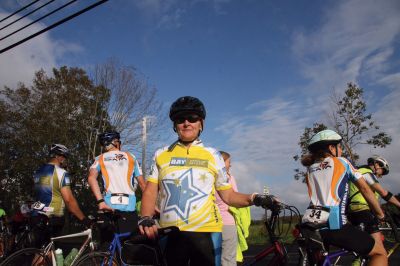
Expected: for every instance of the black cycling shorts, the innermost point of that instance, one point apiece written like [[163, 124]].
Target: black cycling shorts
[[194, 247], [371, 223], [349, 238]]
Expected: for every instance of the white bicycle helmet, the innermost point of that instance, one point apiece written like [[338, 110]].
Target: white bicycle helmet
[[59, 149], [381, 161], [324, 137]]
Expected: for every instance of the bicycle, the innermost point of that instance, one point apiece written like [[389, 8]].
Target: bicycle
[[46, 255], [312, 250], [390, 232], [275, 229], [115, 253]]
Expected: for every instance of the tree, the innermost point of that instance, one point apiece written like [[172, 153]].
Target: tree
[[308, 133], [350, 120], [131, 99], [53, 110], [69, 108], [356, 127]]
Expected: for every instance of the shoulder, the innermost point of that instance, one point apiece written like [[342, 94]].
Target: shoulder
[[130, 154], [214, 152], [160, 151]]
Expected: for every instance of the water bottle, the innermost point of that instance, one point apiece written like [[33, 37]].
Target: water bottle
[[59, 257], [71, 256]]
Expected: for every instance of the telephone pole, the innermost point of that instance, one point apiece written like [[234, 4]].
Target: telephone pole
[[144, 141]]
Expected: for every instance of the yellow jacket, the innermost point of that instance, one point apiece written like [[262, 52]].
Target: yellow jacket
[[242, 220]]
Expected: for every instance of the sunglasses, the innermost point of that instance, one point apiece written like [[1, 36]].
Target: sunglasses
[[189, 118]]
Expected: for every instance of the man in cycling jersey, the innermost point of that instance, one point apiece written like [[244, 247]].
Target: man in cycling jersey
[[121, 174], [186, 175], [358, 208], [52, 193], [327, 179]]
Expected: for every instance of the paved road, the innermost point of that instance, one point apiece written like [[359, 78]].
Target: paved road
[[293, 256]]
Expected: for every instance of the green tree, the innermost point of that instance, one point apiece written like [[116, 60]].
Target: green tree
[[54, 109], [350, 120], [354, 125]]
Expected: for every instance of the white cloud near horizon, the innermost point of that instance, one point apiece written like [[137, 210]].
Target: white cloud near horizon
[[42, 52]]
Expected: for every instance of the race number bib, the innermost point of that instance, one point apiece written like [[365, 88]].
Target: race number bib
[[316, 215], [41, 207], [119, 199], [38, 206]]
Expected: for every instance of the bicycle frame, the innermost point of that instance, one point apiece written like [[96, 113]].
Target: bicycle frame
[[50, 248], [116, 245], [276, 247]]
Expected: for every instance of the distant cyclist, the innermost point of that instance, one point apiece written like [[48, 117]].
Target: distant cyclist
[[327, 179], [53, 193], [121, 174], [186, 175], [358, 209]]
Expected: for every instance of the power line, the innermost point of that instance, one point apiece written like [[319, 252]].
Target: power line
[[54, 25], [33, 22], [19, 10], [24, 16]]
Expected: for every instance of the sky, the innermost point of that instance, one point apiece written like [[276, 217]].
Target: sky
[[265, 70]]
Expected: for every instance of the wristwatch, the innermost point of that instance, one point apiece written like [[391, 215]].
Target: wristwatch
[[100, 201]]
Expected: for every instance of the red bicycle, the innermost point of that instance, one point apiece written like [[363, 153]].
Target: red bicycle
[[275, 253]]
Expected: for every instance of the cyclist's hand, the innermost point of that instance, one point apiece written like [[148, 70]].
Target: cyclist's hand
[[87, 222], [104, 207], [147, 226], [265, 201]]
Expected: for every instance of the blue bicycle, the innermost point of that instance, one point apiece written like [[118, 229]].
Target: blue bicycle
[[125, 250]]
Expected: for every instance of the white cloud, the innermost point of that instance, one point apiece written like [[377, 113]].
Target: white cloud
[[42, 52], [356, 40], [263, 146], [355, 36]]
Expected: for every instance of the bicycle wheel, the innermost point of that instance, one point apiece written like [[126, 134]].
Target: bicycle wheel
[[27, 257], [97, 259]]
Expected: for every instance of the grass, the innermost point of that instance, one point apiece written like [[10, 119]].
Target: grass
[[258, 234]]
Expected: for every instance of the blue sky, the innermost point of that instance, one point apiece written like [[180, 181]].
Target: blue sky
[[264, 69]]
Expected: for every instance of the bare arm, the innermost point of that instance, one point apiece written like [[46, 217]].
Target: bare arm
[[142, 183], [71, 203], [369, 197], [94, 186], [383, 192], [149, 199], [235, 199]]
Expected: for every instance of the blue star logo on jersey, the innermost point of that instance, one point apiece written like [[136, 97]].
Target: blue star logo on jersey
[[181, 193]]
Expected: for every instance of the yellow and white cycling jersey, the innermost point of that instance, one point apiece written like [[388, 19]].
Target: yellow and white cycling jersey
[[188, 179]]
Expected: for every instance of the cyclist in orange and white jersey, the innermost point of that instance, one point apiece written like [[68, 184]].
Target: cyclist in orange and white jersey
[[327, 179], [121, 174]]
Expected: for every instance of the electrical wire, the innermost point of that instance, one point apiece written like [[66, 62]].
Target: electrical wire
[[19, 10], [33, 22], [54, 25], [27, 14]]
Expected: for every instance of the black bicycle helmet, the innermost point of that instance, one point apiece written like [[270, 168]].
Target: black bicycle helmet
[[187, 104], [58, 149], [106, 138]]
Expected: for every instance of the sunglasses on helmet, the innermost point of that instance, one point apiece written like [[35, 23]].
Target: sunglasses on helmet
[[189, 118]]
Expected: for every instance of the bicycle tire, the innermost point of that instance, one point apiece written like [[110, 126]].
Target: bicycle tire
[[96, 259], [27, 257]]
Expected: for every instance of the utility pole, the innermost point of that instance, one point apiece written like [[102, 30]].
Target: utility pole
[[144, 141]]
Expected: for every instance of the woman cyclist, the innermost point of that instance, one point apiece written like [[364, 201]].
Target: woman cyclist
[[327, 180]]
